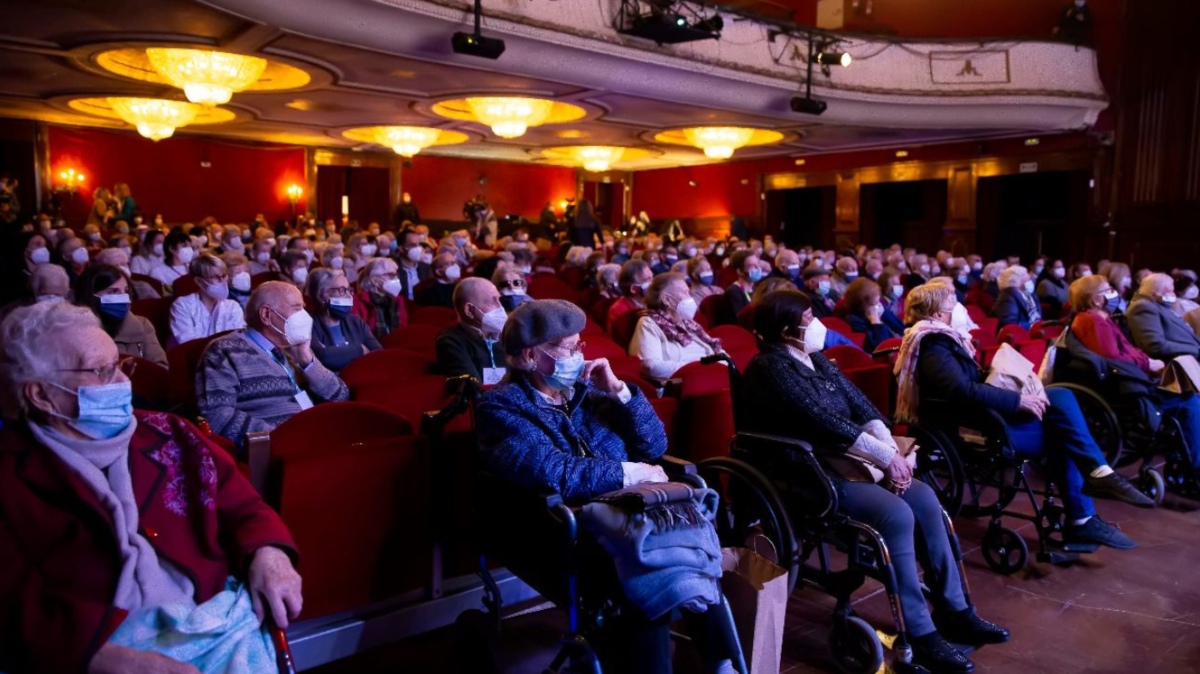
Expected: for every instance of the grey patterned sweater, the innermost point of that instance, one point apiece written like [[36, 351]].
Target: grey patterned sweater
[[242, 389]]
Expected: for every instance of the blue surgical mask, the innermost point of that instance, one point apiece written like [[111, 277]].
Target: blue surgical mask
[[339, 307], [115, 307], [104, 410], [706, 278], [823, 288], [756, 275], [566, 372], [1112, 302], [962, 279], [511, 302]]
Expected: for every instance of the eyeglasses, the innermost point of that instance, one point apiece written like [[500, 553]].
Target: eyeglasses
[[515, 283], [574, 351], [105, 373], [339, 292]]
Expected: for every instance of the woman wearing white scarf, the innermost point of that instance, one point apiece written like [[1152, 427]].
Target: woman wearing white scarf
[[122, 532]]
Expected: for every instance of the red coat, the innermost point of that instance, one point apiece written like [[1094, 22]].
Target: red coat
[[364, 308], [59, 561]]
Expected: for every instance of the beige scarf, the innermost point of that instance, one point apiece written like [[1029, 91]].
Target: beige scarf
[[907, 396]]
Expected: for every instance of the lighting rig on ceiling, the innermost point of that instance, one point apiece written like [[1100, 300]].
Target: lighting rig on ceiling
[[667, 21], [825, 51], [475, 44]]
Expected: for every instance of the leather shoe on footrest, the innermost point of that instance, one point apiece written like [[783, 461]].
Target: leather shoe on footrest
[[964, 627], [1115, 486], [939, 656], [1096, 530]]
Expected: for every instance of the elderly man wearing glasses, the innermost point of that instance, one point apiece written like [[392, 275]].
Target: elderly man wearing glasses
[[338, 336], [473, 346]]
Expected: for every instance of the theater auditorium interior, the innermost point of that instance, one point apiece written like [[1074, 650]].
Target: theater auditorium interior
[[621, 336]]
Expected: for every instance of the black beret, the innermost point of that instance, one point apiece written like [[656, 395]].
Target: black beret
[[813, 270], [540, 321]]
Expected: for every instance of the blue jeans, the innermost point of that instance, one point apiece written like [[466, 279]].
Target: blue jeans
[[898, 519], [1184, 408], [1062, 436]]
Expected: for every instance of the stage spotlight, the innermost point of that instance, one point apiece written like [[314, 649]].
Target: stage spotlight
[[830, 58], [808, 105], [475, 44]]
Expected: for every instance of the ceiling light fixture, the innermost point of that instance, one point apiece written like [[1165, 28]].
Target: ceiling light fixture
[[824, 56], [207, 77], [405, 141], [155, 118], [510, 117], [597, 158], [718, 142]]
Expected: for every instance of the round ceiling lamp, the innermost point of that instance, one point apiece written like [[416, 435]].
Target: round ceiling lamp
[[720, 142], [155, 118], [406, 141], [595, 158], [509, 116], [206, 77]]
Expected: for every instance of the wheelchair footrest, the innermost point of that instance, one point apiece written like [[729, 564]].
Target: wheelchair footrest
[[1064, 553]]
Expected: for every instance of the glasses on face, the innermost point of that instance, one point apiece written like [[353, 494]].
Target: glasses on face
[[339, 292], [568, 351], [514, 283], [106, 373]]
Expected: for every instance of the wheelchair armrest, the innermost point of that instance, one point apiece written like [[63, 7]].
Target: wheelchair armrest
[[878, 353], [462, 390], [719, 357], [283, 650], [672, 388], [675, 466]]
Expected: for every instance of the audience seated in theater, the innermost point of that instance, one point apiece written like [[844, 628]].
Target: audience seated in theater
[[230, 241], [1016, 305], [959, 272], [178, 256], [700, 276], [438, 290], [1187, 292], [91, 238], [1052, 289], [607, 281], [766, 286], [739, 293], [262, 260], [104, 290], [1094, 301], [787, 266], [845, 272], [866, 313], [35, 251], [378, 301], [301, 244], [940, 383], [88, 583], [1156, 325], [634, 281], [119, 257], [816, 286], [1121, 280], [666, 337], [473, 346], [239, 277], [873, 268], [984, 293], [338, 335], [208, 311], [275, 352], [360, 248], [73, 256], [412, 269], [293, 268], [790, 385], [512, 286]]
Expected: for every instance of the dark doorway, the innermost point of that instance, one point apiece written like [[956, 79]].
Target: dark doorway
[[908, 213], [608, 200], [1032, 214], [804, 216], [365, 188]]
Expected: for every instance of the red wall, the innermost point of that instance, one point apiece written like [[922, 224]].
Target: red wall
[[440, 185], [166, 177], [666, 193]]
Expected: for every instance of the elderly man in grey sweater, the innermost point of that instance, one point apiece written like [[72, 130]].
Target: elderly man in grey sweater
[[257, 378], [1156, 328]]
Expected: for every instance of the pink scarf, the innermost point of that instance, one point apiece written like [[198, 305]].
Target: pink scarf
[[907, 397], [682, 330]]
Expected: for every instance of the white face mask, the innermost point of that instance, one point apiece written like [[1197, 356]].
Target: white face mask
[[40, 255], [960, 320], [241, 282], [1191, 293], [309, 254], [1029, 287], [897, 291], [687, 308], [1060, 272], [453, 273], [369, 250], [413, 254], [513, 292], [80, 256], [977, 266], [300, 274], [336, 263], [297, 328], [493, 321], [814, 336], [1169, 299], [427, 258], [216, 291], [392, 286], [263, 258]]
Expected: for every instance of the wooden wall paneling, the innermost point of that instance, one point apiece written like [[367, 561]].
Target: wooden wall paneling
[[958, 236], [846, 231]]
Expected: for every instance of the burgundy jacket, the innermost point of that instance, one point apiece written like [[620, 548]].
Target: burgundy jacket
[[58, 555]]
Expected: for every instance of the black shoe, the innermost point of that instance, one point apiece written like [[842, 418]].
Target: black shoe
[[1098, 532], [938, 655], [1115, 486], [964, 627]]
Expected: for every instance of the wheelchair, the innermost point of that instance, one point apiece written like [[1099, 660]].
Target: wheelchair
[[1117, 401], [796, 508], [535, 535], [977, 473]]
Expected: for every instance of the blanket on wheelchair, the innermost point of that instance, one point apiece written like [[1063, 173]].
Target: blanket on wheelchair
[[220, 636], [663, 544]]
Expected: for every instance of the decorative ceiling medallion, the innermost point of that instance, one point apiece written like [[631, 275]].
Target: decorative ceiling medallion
[[154, 118], [133, 63], [720, 142], [594, 157], [509, 116], [405, 140]]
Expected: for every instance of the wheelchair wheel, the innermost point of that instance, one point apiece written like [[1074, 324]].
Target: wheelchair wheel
[[1151, 483], [1102, 422], [750, 505], [855, 646], [939, 466], [1004, 550]]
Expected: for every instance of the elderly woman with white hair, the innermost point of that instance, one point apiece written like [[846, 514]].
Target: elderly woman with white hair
[[607, 280], [510, 282], [1016, 303], [122, 531], [209, 311], [378, 302], [666, 338]]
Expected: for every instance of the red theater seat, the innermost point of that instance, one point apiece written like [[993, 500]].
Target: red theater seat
[[154, 283], [623, 327], [157, 310], [704, 423], [1011, 334], [390, 363], [184, 360], [734, 337], [184, 285], [716, 309], [551, 287], [442, 317], [416, 337], [1047, 330], [151, 384], [262, 277]]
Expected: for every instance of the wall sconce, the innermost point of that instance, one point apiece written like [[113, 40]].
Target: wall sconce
[[71, 181], [294, 192], [901, 154]]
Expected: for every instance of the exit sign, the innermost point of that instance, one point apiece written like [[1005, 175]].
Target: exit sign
[[1029, 167]]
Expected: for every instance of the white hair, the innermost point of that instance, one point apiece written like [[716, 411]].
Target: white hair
[[45, 275], [113, 256], [577, 256], [606, 274], [1151, 284], [1012, 276], [991, 272], [24, 354]]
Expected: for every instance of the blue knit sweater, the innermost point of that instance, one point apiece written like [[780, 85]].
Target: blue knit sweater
[[576, 451]]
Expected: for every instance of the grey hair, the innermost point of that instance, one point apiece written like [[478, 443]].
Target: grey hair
[[24, 358], [1009, 277], [606, 274], [318, 281], [654, 294], [45, 274], [376, 266], [111, 256], [207, 262], [1151, 282]]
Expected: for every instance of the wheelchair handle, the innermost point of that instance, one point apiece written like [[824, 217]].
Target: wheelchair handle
[[717, 358]]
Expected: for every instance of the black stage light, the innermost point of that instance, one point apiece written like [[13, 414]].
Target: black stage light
[[808, 105], [476, 45], [834, 58]]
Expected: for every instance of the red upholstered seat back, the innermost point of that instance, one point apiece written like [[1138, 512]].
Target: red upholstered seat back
[[442, 317], [157, 310], [184, 360], [734, 337], [551, 287], [1012, 334], [848, 357], [716, 309], [184, 285], [623, 327], [389, 363], [416, 337], [151, 384]]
